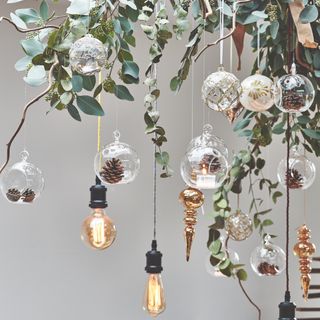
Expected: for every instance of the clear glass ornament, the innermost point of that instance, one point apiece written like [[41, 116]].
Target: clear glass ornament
[[294, 93], [221, 90], [117, 163], [23, 182], [204, 166], [88, 55], [238, 226], [302, 171], [268, 259], [257, 93], [98, 230]]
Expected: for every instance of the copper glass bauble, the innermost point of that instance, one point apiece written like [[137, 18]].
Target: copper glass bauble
[[117, 163], [221, 90], [302, 171], [294, 93], [238, 226], [257, 93], [23, 182], [88, 55], [268, 259]]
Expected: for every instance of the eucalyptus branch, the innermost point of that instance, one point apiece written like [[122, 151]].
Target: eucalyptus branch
[[27, 30], [24, 114]]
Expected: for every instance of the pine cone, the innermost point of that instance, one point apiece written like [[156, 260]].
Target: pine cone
[[293, 101], [28, 195], [295, 179], [210, 163], [13, 195], [113, 171], [268, 269]]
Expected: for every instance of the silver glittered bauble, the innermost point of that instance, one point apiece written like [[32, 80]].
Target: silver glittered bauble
[[294, 93], [221, 90], [257, 93], [238, 226], [87, 55]]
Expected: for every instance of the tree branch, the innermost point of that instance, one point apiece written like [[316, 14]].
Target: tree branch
[[27, 30], [24, 114]]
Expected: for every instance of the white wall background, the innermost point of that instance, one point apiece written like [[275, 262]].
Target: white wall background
[[46, 272]]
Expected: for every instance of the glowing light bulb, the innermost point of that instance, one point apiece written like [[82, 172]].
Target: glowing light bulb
[[154, 299]]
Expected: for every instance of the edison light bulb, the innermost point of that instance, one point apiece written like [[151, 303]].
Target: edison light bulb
[[98, 230], [154, 300]]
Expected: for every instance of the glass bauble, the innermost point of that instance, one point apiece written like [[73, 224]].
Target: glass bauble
[[302, 171], [23, 182], [257, 93], [294, 93], [204, 166], [98, 230], [268, 259], [221, 90], [238, 226], [117, 163], [88, 55]]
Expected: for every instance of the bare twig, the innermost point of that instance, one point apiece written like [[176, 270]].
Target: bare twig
[[234, 25], [24, 114], [27, 30]]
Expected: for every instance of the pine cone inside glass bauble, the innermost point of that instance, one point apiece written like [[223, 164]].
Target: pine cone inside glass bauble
[[28, 195], [293, 101], [13, 195], [113, 171], [210, 163], [295, 179], [268, 269]]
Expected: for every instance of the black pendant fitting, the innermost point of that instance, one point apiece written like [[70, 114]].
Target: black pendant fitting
[[154, 258], [287, 309], [98, 195]]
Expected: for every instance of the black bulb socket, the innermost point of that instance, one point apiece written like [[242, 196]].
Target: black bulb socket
[[154, 258], [98, 195], [287, 309]]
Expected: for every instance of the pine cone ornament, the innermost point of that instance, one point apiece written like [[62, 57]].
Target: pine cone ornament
[[13, 195], [295, 179], [113, 171], [28, 195], [268, 269], [210, 163]]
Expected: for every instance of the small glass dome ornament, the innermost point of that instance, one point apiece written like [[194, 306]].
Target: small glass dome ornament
[[23, 182], [302, 171], [88, 55], [268, 259], [221, 90], [257, 93], [294, 93], [117, 163], [238, 226], [204, 166]]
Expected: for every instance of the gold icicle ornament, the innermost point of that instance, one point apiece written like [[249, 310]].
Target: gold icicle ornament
[[304, 249], [191, 199]]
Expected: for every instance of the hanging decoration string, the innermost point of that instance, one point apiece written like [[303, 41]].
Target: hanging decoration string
[[231, 54], [258, 44], [221, 27], [99, 118], [203, 76], [25, 133]]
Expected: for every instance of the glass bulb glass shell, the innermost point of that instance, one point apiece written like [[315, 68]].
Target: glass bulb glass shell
[[23, 182], [238, 226], [302, 171], [88, 55], [154, 299], [98, 230], [257, 93], [221, 90], [268, 259], [117, 163]]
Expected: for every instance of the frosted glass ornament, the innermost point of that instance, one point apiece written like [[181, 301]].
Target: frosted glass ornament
[[221, 90], [23, 182], [238, 226], [88, 55], [257, 93]]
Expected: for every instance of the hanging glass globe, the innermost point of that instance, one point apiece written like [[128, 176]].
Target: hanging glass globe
[[204, 166], [221, 90], [257, 93], [88, 55], [302, 171], [238, 226], [23, 182], [294, 93], [117, 163], [268, 259]]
